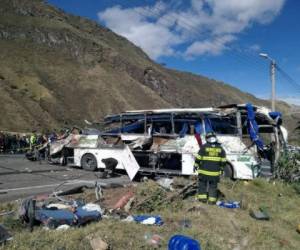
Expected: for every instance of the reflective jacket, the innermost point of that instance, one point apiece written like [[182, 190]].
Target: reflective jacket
[[32, 139], [210, 160]]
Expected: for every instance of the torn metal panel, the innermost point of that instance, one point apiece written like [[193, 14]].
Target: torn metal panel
[[123, 155], [58, 145]]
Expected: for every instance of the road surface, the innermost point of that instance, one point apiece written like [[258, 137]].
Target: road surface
[[21, 178]]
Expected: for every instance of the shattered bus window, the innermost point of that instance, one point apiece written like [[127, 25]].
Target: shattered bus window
[[224, 125]]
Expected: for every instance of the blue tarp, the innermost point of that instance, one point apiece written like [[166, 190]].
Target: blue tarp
[[253, 127], [208, 125], [228, 204], [141, 218], [198, 128], [276, 116], [56, 217]]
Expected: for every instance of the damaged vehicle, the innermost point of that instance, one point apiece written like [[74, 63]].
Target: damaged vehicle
[[165, 141]]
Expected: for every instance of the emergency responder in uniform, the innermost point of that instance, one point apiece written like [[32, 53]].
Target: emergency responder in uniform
[[32, 140], [209, 164]]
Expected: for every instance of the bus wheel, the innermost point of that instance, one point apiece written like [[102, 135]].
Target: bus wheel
[[228, 171], [89, 162]]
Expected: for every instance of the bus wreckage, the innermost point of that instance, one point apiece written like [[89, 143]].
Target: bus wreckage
[[165, 141]]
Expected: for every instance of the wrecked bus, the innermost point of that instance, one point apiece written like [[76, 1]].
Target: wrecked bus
[[164, 141]]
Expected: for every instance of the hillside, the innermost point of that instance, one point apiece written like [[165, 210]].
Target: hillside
[[58, 69], [214, 227]]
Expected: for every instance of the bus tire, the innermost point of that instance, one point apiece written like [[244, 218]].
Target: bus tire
[[228, 171], [89, 162]]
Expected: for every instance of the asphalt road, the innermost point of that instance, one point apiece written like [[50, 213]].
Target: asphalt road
[[21, 178]]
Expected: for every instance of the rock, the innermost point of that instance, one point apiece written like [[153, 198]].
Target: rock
[[98, 244]]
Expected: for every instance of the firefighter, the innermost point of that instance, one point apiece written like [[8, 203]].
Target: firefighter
[[209, 164], [32, 140]]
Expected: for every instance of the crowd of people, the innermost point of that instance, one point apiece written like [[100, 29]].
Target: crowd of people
[[14, 143]]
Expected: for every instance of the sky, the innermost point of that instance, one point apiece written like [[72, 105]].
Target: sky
[[215, 38]]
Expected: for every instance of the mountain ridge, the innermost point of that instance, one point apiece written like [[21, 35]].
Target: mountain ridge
[[57, 69]]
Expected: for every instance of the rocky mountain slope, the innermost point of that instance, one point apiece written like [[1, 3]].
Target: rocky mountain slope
[[58, 69]]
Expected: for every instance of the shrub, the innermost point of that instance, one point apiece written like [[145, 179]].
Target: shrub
[[288, 167]]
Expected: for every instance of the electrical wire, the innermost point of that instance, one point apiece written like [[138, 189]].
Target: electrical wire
[[288, 78]]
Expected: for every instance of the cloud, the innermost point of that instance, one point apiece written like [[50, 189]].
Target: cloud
[[213, 46], [255, 48], [188, 27], [155, 38]]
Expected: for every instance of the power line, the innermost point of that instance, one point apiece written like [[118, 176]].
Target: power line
[[288, 78]]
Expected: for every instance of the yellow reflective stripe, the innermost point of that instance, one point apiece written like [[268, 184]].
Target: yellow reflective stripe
[[223, 159], [199, 157], [202, 196], [209, 173], [212, 199], [212, 158]]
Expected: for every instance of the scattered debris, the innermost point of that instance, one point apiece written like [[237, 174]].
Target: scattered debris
[[123, 201], [261, 214], [74, 190], [98, 191], [129, 218], [129, 204], [154, 240], [59, 206], [228, 204], [4, 235], [165, 183], [149, 220], [90, 207], [63, 227], [55, 215], [179, 242]]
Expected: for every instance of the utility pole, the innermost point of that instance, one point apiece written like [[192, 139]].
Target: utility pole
[[272, 71], [273, 66]]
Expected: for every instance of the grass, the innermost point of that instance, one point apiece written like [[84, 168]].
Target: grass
[[213, 227]]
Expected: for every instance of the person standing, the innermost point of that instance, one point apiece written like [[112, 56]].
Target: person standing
[[209, 164], [32, 140]]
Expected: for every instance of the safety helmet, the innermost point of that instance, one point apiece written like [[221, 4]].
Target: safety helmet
[[210, 137]]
